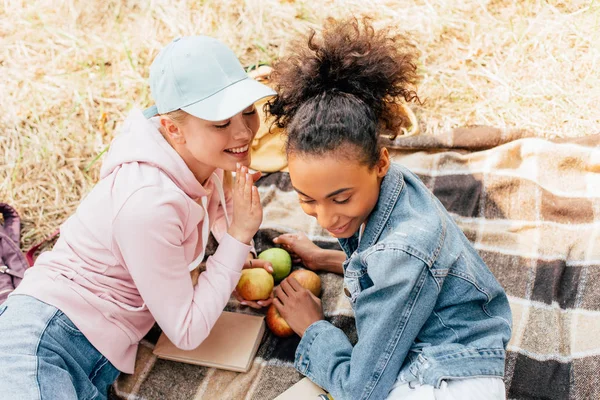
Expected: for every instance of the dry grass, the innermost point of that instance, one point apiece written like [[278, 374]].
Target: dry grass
[[70, 70]]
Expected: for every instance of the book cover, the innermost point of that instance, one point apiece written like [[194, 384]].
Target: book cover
[[232, 344], [304, 389]]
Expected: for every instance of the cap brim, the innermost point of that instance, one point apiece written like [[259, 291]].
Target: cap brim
[[229, 101]]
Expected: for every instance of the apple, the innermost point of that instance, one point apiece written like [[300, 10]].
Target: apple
[[307, 279], [277, 324], [255, 284], [280, 260]]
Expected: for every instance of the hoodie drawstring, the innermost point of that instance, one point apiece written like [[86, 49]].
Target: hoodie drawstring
[[219, 185], [206, 222], [205, 225]]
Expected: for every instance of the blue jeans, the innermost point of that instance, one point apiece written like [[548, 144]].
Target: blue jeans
[[44, 356]]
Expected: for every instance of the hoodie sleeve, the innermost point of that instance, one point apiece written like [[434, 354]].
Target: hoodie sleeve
[[148, 235]]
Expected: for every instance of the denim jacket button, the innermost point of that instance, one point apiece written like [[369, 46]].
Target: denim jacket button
[[347, 292]]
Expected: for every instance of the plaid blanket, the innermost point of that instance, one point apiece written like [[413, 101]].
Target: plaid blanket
[[530, 206]]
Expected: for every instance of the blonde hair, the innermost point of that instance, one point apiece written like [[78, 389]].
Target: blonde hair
[[179, 117]]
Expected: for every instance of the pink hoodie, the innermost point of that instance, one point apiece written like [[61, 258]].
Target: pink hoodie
[[122, 261]]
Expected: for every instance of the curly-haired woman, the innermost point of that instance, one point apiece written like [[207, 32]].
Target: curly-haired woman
[[432, 321]]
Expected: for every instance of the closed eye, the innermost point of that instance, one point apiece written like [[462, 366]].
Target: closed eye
[[342, 201], [306, 201], [223, 126]]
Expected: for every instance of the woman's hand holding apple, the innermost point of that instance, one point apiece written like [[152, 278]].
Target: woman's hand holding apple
[[252, 262], [297, 305]]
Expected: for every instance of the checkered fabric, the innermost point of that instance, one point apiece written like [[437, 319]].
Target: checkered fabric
[[531, 207]]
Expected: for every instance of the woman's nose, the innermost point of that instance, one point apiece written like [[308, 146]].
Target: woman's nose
[[326, 218], [240, 128]]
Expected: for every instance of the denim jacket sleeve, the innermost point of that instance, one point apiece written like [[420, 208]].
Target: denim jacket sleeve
[[389, 315]]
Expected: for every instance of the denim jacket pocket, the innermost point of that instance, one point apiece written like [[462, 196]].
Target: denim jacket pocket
[[351, 288], [355, 281]]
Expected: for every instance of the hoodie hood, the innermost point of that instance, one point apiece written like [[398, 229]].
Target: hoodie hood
[[140, 141]]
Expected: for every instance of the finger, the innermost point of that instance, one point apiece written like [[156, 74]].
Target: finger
[[258, 263], [291, 251], [242, 301], [248, 187], [238, 174], [294, 284], [245, 302], [252, 304], [265, 303], [255, 198], [286, 287], [285, 239], [280, 294], [240, 179], [289, 248], [278, 305], [256, 176], [315, 298]]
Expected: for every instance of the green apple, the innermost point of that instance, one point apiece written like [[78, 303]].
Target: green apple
[[280, 260]]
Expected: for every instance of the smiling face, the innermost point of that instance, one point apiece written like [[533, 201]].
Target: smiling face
[[207, 145], [336, 189]]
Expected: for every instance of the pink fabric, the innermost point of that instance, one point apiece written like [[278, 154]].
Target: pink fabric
[[122, 260]]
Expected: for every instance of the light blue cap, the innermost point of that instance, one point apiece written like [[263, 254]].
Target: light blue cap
[[203, 77]]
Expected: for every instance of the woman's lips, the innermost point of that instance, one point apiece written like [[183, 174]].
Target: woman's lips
[[339, 230]]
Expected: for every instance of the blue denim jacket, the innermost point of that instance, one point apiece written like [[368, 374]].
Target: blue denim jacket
[[426, 306]]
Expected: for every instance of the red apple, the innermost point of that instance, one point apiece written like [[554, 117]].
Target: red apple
[[255, 284], [307, 279], [277, 324]]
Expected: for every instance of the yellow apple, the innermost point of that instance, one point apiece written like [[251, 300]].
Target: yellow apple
[[255, 284], [307, 279]]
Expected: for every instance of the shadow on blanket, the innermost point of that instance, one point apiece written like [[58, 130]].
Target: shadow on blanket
[[530, 206]]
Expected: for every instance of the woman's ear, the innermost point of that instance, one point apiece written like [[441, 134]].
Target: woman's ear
[[383, 165], [172, 130]]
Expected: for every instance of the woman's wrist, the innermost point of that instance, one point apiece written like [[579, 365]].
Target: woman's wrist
[[330, 261], [239, 235]]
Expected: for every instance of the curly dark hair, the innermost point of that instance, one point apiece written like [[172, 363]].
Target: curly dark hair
[[342, 88]]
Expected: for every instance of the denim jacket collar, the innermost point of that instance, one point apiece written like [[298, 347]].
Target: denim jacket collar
[[390, 189]]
